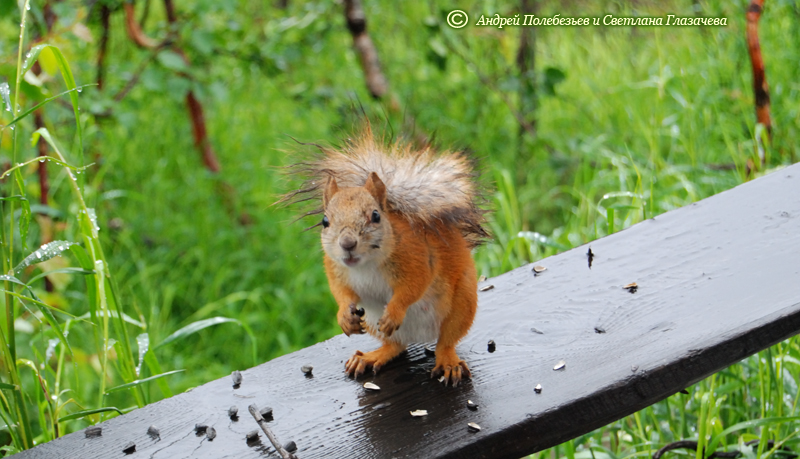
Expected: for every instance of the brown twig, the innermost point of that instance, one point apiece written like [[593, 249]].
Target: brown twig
[[201, 141], [690, 444], [760, 87], [136, 75], [46, 223], [195, 108], [526, 63], [200, 133], [134, 31], [44, 184], [145, 14], [530, 129], [365, 49], [105, 16], [272, 438]]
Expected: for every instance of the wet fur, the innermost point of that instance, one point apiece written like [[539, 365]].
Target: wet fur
[[426, 187], [412, 270]]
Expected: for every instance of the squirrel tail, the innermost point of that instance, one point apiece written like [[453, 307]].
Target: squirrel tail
[[425, 186]]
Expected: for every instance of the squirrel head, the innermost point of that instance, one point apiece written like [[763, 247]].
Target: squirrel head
[[355, 228]]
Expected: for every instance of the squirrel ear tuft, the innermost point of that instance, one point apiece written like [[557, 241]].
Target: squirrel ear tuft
[[377, 189], [331, 188]]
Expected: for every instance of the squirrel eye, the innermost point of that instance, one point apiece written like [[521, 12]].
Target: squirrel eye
[[376, 217], [325, 222]]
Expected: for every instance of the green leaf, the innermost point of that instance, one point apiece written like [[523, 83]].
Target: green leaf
[[749, 425], [172, 61], [91, 282], [114, 315], [44, 102], [84, 413], [7, 386], [25, 212], [194, 327], [552, 77], [44, 253], [69, 81], [61, 271], [45, 308], [12, 279], [141, 381]]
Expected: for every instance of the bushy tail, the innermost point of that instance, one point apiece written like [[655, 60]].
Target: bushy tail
[[425, 186]]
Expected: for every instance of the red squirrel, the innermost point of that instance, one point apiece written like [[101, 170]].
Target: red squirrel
[[398, 226]]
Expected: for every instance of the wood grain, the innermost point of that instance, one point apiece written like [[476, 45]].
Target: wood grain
[[717, 281]]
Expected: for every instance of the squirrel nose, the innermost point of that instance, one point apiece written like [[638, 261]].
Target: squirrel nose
[[348, 243]]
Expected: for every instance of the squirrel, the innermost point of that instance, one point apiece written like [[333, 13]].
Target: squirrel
[[398, 228]]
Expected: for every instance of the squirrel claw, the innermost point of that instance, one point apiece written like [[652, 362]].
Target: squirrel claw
[[359, 363], [352, 324], [452, 374], [388, 326]]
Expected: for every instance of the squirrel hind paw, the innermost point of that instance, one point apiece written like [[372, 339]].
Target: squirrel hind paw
[[360, 362], [451, 374]]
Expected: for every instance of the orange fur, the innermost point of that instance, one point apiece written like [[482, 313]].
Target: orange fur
[[413, 261], [399, 223]]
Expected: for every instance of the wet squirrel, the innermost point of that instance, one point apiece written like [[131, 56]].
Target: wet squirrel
[[397, 229]]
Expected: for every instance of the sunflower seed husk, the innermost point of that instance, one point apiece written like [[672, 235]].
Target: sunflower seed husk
[[473, 427], [371, 386], [418, 413], [560, 365]]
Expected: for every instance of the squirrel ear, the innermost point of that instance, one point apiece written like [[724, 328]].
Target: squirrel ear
[[377, 189], [331, 188]]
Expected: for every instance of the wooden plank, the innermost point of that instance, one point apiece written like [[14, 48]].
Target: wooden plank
[[718, 281]]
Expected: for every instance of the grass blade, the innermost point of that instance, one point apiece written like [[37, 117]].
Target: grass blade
[[749, 425], [69, 81], [44, 253], [42, 103], [194, 327], [85, 272], [139, 382], [84, 413]]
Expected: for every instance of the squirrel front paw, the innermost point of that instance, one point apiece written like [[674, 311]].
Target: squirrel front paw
[[389, 323], [352, 320]]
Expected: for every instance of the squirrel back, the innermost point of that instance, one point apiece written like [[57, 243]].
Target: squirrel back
[[426, 187]]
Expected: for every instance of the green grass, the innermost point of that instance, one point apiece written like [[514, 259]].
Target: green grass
[[638, 126]]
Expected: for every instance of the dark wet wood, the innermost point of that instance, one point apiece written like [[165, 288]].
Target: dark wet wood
[[717, 281]]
